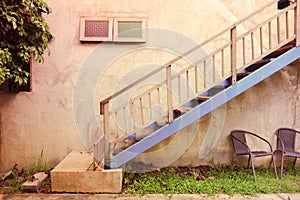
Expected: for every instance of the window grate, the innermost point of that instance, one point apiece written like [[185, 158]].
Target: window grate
[[94, 28]]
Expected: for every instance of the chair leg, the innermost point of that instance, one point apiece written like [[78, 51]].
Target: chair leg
[[294, 163], [274, 165], [249, 161], [281, 167], [253, 170], [232, 163]]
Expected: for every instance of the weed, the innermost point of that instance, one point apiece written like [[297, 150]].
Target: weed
[[192, 165], [14, 183], [42, 164]]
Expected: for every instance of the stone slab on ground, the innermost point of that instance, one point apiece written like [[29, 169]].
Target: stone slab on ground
[[72, 174], [38, 179]]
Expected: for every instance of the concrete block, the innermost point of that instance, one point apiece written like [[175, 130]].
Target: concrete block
[[72, 175], [38, 179]]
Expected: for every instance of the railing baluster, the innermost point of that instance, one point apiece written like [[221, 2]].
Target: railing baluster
[[261, 40], [179, 88], [278, 30], [187, 84], [270, 35], [158, 96], [222, 63], [233, 55], [204, 74], [214, 67], [252, 45], [287, 24], [150, 105], [116, 128], [141, 110], [169, 93], [196, 80], [125, 121], [132, 116], [244, 51]]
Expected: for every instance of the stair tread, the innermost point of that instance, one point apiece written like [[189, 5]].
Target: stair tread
[[220, 86], [202, 98], [282, 49], [263, 61], [162, 121], [243, 73], [120, 139], [184, 109]]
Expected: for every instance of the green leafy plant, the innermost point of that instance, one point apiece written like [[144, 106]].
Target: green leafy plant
[[39, 166], [15, 183], [24, 32], [42, 163]]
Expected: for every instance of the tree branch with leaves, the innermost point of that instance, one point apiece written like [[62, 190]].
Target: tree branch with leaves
[[23, 33]]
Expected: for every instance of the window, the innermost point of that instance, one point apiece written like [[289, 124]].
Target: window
[[129, 30], [113, 29], [96, 29]]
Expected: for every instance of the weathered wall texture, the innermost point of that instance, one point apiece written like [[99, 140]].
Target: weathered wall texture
[[44, 119]]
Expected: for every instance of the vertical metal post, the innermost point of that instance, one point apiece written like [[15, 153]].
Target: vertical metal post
[[270, 35], [233, 54], [261, 40], [287, 34], [252, 46], [104, 110], [278, 30], [196, 79], [297, 22], [169, 93]]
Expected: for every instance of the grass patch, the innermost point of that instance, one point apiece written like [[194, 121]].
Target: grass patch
[[218, 179]]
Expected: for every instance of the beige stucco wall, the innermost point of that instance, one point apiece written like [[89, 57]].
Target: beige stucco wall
[[44, 119]]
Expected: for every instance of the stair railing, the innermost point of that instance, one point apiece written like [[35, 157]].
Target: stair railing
[[237, 49]]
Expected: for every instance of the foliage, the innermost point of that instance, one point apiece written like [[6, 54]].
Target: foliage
[[23, 32], [42, 164], [39, 166], [218, 180]]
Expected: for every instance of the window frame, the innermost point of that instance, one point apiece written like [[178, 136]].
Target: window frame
[[82, 36]]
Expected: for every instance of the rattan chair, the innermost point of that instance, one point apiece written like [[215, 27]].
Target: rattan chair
[[286, 139], [241, 148]]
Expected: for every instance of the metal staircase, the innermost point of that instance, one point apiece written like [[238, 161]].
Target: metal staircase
[[241, 60]]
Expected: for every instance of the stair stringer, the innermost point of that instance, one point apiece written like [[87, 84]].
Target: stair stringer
[[205, 107]]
